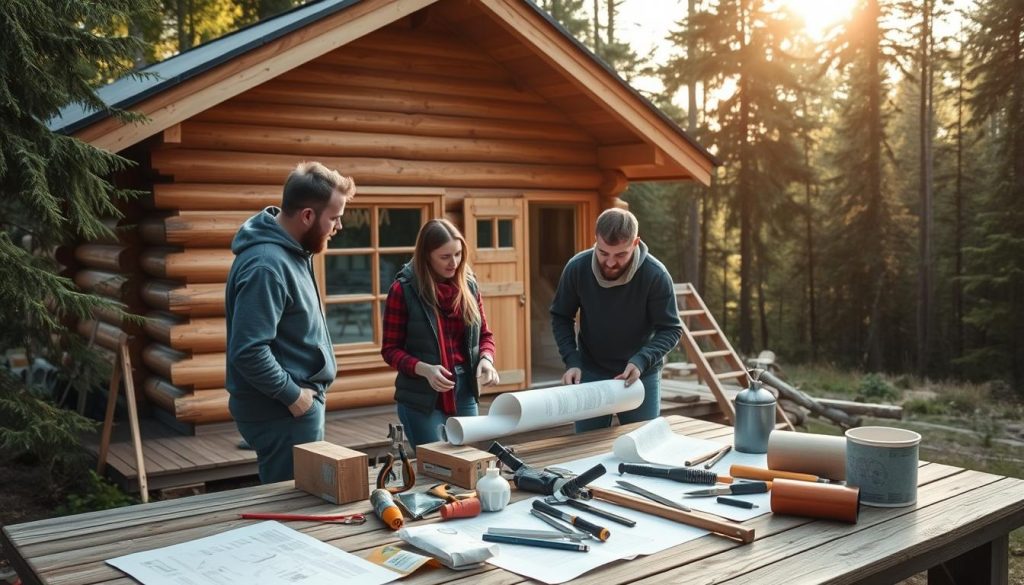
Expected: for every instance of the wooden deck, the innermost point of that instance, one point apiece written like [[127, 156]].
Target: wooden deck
[[175, 460]]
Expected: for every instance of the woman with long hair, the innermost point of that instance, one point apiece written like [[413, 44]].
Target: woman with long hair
[[436, 335]]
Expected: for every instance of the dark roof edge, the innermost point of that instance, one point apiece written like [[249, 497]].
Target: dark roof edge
[[650, 105], [207, 65]]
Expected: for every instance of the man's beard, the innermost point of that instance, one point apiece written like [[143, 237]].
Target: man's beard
[[314, 240], [612, 275]]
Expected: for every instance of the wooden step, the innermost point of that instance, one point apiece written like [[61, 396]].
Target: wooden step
[[704, 333], [733, 374], [717, 353], [691, 312]]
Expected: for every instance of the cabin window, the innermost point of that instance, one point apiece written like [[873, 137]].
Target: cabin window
[[360, 264], [492, 233]]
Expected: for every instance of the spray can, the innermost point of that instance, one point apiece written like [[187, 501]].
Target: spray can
[[755, 419], [385, 508]]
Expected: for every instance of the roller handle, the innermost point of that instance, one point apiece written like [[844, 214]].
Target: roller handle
[[599, 532], [753, 487], [680, 474], [747, 472], [572, 487]]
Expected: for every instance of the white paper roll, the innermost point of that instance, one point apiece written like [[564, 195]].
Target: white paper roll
[[517, 412]]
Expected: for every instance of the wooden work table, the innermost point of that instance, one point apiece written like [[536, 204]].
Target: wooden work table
[[959, 527]]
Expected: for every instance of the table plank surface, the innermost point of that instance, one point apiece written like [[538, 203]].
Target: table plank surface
[[957, 511]]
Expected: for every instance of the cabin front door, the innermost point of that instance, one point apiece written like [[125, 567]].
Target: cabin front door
[[495, 233]]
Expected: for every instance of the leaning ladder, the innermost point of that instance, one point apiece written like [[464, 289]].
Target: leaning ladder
[[700, 326]]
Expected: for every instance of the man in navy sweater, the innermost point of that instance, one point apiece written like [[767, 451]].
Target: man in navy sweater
[[627, 312], [280, 360]]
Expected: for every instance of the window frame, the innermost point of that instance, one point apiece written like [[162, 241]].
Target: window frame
[[429, 201]]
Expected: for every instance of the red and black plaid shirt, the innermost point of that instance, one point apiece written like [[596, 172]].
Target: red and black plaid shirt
[[396, 315]]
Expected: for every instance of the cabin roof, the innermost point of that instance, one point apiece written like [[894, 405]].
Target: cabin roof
[[634, 136]]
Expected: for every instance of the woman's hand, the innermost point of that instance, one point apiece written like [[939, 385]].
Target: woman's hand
[[486, 375], [439, 378]]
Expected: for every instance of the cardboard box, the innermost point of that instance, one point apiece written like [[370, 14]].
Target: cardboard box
[[337, 474], [454, 464]]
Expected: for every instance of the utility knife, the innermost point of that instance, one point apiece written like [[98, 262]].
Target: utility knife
[[736, 489]]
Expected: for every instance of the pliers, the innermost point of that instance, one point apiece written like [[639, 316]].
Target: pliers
[[356, 518], [397, 436]]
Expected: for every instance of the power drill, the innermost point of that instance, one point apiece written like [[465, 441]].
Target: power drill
[[542, 481]]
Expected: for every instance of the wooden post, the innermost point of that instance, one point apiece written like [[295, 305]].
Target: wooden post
[[123, 369]]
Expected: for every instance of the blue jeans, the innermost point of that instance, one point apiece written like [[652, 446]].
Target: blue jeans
[[273, 441], [423, 428], [649, 409]]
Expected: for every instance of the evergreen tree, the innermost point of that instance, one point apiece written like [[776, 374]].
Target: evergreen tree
[[569, 14], [746, 43], [864, 232], [55, 190], [995, 266]]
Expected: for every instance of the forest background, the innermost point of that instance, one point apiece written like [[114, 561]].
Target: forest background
[[869, 210]]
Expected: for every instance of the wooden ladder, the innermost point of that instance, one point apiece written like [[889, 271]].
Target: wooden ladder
[[699, 325]]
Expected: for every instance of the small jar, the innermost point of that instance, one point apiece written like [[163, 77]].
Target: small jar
[[493, 490]]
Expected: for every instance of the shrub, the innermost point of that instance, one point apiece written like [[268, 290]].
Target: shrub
[[95, 493], [874, 388]]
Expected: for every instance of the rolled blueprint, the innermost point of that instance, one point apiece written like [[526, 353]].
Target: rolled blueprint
[[821, 455], [517, 412]]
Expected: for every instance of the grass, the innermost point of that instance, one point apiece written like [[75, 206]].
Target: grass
[[973, 426]]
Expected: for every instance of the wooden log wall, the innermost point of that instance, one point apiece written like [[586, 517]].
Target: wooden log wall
[[398, 108], [109, 268]]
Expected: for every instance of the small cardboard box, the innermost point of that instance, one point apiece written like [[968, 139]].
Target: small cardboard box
[[337, 474], [454, 464]]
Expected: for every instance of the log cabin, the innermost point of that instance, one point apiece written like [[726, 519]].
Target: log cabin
[[483, 111]]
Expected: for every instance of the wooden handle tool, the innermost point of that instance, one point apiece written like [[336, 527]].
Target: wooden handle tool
[[730, 529], [747, 472]]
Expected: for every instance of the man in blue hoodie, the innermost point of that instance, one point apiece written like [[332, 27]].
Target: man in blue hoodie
[[628, 319], [280, 360]]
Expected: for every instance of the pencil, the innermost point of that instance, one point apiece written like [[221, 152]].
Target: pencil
[[718, 457], [704, 457], [538, 542]]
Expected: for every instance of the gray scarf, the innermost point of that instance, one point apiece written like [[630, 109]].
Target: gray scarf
[[639, 255]]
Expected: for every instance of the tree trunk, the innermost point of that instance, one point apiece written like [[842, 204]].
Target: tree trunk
[[958, 221], [691, 258], [761, 311], [873, 288], [746, 203], [924, 307], [809, 246]]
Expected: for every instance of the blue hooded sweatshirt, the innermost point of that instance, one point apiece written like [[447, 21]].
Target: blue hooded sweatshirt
[[277, 335]]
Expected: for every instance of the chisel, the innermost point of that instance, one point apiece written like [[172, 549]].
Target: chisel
[[599, 532]]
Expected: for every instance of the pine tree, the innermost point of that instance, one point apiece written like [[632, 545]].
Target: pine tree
[[55, 190], [745, 42], [864, 232], [995, 266]]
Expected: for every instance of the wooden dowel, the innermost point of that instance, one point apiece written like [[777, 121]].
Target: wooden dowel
[[730, 529]]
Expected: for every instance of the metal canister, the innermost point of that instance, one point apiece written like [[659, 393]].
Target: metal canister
[[755, 419]]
